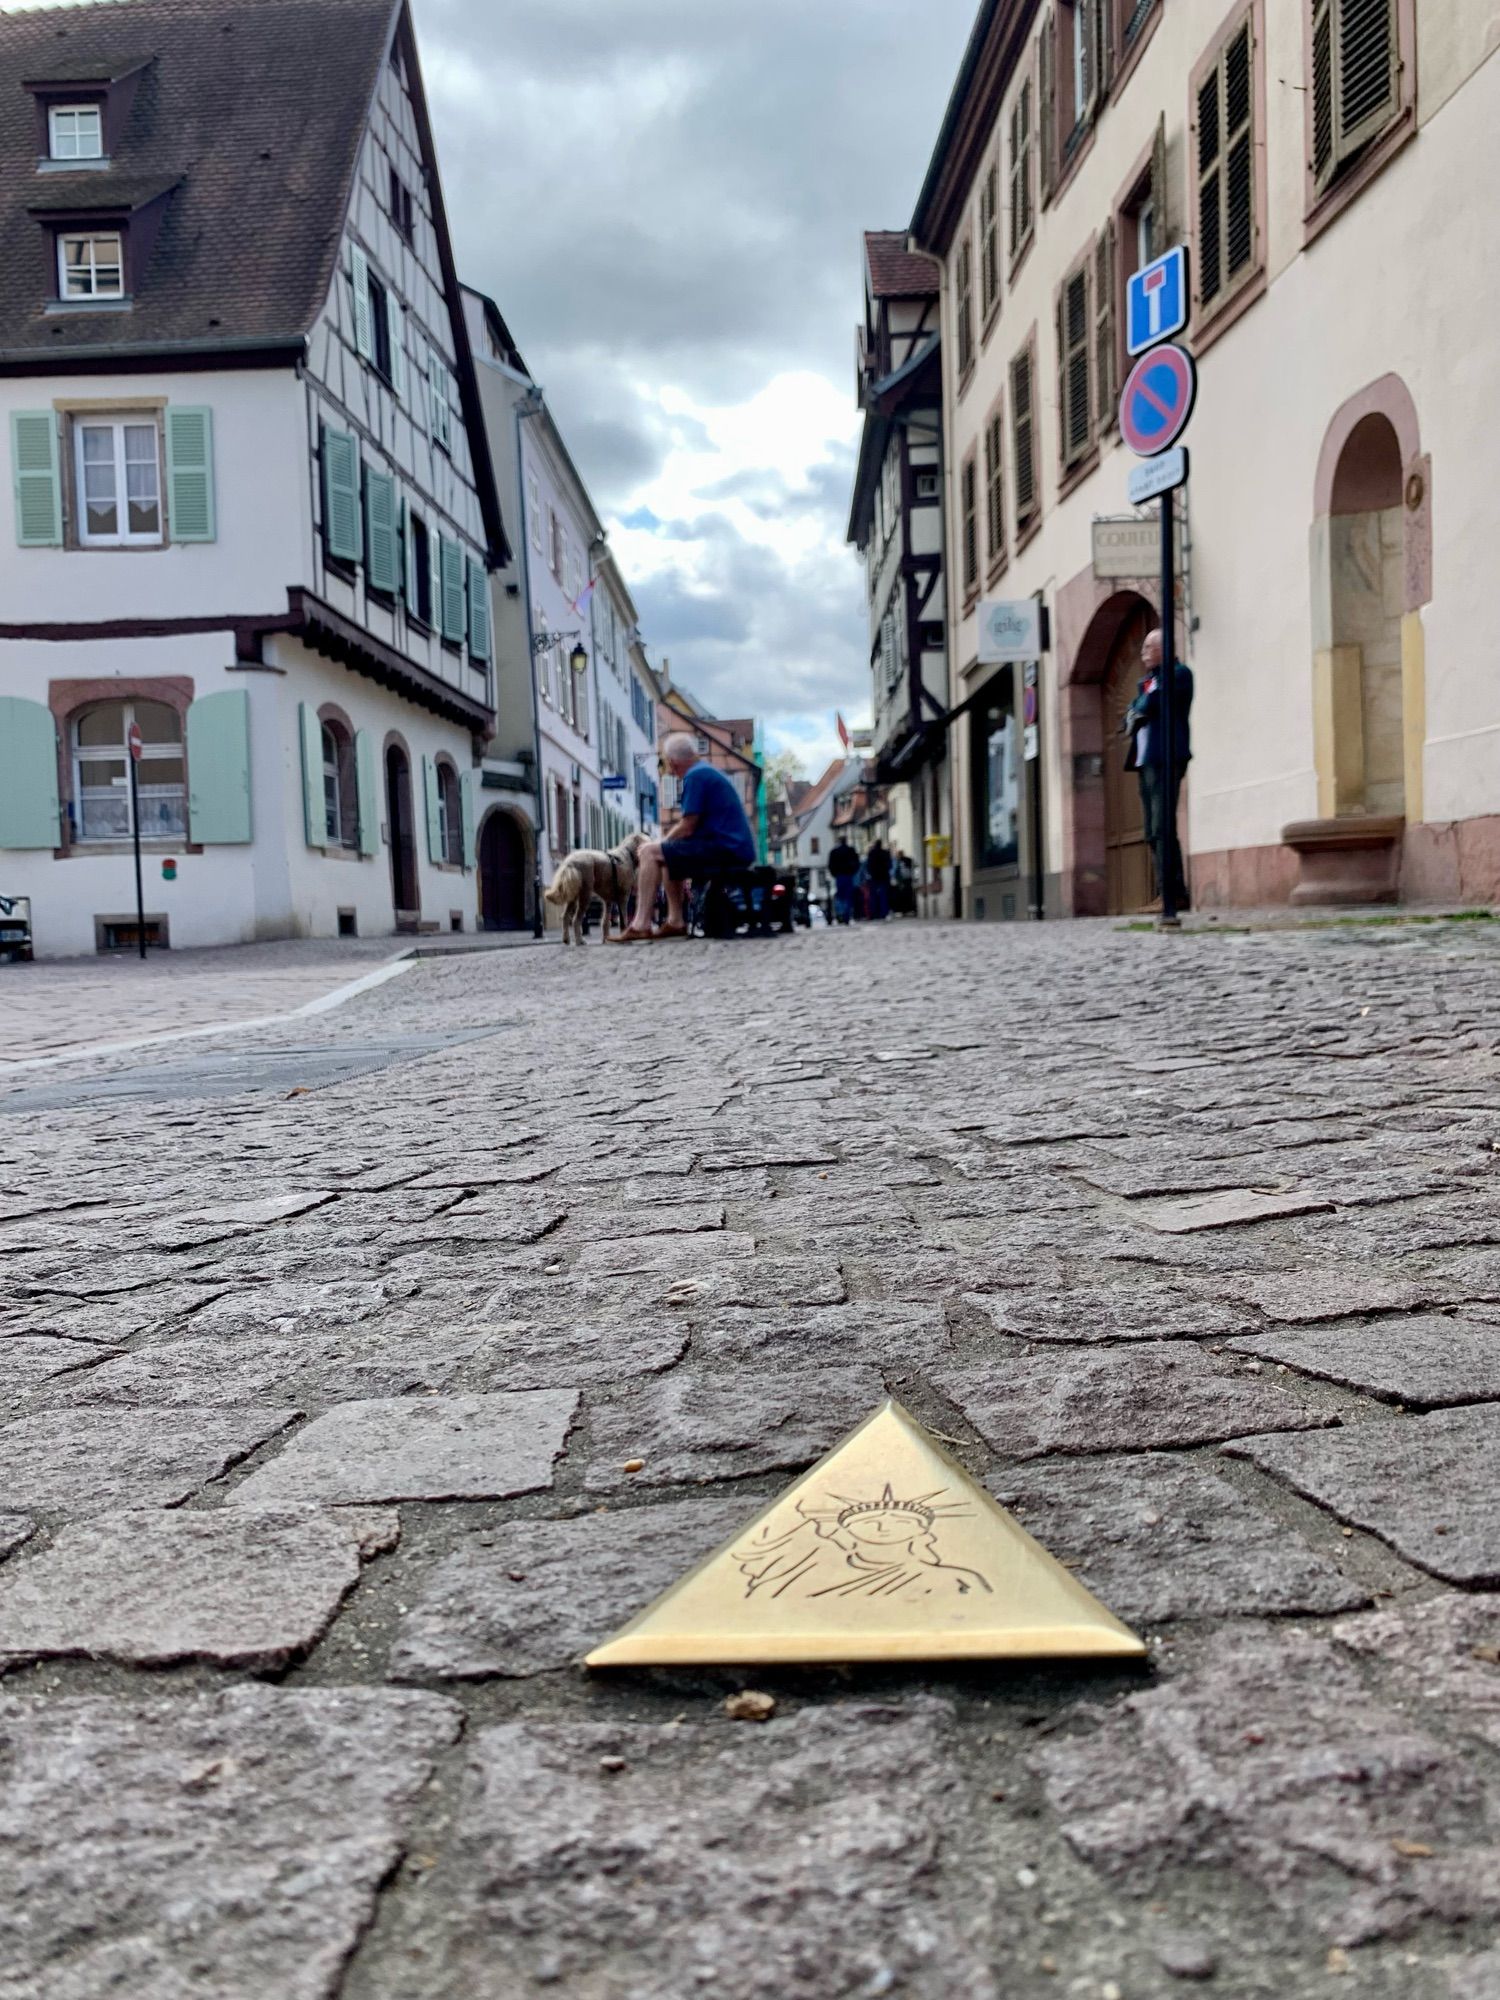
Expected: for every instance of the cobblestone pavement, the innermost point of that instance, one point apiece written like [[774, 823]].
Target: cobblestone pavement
[[60, 1005], [320, 1397]]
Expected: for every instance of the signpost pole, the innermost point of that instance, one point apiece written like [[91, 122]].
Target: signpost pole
[[135, 832], [1166, 709]]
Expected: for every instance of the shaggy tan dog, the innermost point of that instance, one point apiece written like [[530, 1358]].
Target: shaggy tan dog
[[586, 874]]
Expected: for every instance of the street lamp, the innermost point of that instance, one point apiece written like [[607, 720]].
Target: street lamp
[[578, 659]]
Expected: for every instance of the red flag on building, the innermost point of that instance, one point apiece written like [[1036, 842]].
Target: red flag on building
[[843, 731]]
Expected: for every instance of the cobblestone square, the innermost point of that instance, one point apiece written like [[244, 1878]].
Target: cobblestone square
[[341, 1419]]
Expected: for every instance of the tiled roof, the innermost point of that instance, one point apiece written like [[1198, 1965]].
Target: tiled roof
[[252, 111], [894, 272], [818, 790]]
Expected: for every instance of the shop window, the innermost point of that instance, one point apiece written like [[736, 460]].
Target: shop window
[[997, 775]]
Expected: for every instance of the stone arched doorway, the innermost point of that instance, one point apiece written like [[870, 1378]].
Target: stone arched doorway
[[1100, 626], [1129, 874], [504, 872], [405, 892], [1371, 552]]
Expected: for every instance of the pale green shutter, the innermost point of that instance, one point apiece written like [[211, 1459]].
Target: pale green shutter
[[468, 785], [218, 761], [314, 811], [366, 776], [452, 561], [479, 610], [437, 387], [409, 560], [395, 322], [364, 319], [190, 474], [38, 485], [29, 815], [341, 518], [383, 557], [434, 810]]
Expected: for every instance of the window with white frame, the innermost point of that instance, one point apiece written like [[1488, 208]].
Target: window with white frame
[[101, 771], [117, 466], [75, 132], [91, 265], [340, 787], [450, 815]]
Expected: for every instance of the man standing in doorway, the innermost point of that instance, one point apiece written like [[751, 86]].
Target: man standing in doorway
[[713, 837], [843, 866], [1147, 744], [878, 869]]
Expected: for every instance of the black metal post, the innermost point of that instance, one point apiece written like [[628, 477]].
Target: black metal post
[[1166, 709], [135, 832]]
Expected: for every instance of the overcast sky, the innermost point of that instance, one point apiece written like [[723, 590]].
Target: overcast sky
[[666, 199]]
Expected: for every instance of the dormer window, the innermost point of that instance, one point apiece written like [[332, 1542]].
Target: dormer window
[[91, 266], [75, 132]]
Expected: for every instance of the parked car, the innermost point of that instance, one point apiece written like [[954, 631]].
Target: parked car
[[15, 928]]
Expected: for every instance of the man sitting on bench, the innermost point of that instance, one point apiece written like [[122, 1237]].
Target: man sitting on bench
[[713, 837]]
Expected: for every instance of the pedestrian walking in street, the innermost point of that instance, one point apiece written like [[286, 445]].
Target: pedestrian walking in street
[[712, 837], [903, 884], [843, 866], [1146, 754], [878, 869]]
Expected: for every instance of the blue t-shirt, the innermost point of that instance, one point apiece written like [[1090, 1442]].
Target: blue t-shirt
[[708, 796]]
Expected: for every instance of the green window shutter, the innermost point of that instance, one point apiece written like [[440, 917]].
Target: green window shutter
[[395, 322], [409, 560], [218, 758], [468, 784], [452, 559], [38, 486], [314, 812], [383, 556], [364, 318], [479, 610], [434, 810], [190, 473], [29, 814], [437, 387], [366, 770], [341, 518]]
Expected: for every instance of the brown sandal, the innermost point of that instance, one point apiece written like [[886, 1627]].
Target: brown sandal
[[671, 931], [631, 937]]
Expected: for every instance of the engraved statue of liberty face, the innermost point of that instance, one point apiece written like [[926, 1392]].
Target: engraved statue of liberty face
[[885, 1524]]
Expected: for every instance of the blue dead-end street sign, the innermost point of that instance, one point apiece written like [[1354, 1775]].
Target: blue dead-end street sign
[[1156, 301]]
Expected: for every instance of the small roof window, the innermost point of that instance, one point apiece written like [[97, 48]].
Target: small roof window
[[91, 265], [75, 132]]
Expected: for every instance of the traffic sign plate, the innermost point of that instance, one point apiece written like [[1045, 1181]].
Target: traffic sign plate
[[1158, 400], [1158, 475], [133, 738], [1156, 301]]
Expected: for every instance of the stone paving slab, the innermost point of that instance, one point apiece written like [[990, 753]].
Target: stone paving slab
[[1233, 1208], [1146, 1397], [533, 1596], [689, 1426], [1426, 1486], [236, 1587], [648, 1255], [1297, 1297], [1160, 1538], [415, 1448], [89, 1461], [225, 1844], [765, 1337], [825, 1854], [1149, 1309], [1423, 1362], [1270, 1767], [1440, 1655]]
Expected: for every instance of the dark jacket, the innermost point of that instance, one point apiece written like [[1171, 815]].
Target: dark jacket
[[1145, 713], [878, 863], [843, 861]]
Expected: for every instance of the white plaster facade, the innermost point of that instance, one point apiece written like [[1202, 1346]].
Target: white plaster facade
[[260, 609], [1371, 300]]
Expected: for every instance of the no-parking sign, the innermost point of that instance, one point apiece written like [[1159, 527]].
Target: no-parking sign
[[1157, 400]]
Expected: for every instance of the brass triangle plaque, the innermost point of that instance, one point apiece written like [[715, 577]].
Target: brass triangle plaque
[[886, 1550]]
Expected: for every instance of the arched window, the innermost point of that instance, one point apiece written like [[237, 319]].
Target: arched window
[[101, 771], [451, 814], [340, 787]]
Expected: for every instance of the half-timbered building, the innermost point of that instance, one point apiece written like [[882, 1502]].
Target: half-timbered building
[[896, 523], [253, 510]]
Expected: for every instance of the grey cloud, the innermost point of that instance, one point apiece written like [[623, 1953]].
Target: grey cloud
[[672, 194]]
